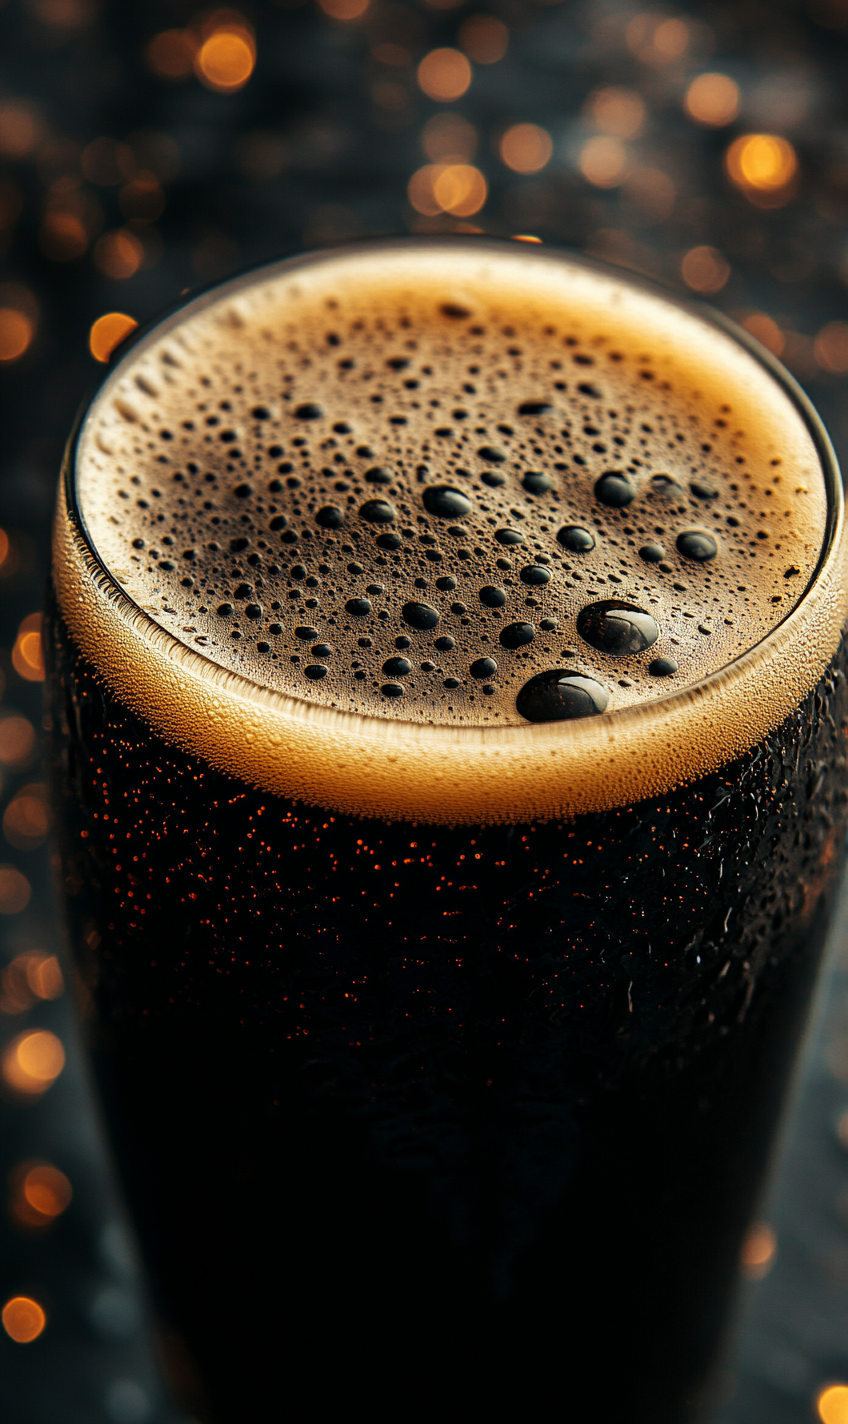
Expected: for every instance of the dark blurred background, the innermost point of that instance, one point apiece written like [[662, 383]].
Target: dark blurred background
[[149, 149]]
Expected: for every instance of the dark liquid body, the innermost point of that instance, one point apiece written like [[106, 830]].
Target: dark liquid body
[[416, 1118]]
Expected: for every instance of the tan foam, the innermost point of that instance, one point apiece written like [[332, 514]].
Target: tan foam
[[447, 753]]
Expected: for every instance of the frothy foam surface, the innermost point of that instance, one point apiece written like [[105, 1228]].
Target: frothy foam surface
[[451, 531], [408, 485]]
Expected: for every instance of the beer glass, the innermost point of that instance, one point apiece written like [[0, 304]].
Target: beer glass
[[449, 703]]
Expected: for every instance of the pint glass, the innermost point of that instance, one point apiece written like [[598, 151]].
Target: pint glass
[[449, 702]]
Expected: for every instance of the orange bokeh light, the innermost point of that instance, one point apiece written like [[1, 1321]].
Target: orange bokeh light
[[32, 1062], [28, 654], [107, 332], [766, 331], [713, 99], [764, 167], [449, 136], [25, 819], [758, 1251], [832, 1404], [16, 333], [118, 254], [603, 162], [226, 59], [15, 890], [170, 54], [484, 38], [444, 74], [40, 1193], [705, 270], [615, 111], [344, 9], [17, 740], [526, 148], [830, 349], [455, 188], [23, 1319], [63, 237], [28, 977]]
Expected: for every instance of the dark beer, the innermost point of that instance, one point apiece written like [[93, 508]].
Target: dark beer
[[450, 708]]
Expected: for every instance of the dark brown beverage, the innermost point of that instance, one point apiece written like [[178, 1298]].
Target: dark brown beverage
[[450, 685]]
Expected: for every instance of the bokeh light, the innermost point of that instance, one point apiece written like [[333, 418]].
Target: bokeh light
[[444, 74], [764, 167], [170, 54], [705, 270], [20, 128], [23, 1319], [484, 38], [27, 978], [713, 99], [118, 254], [107, 163], [107, 332], [651, 193], [455, 188], [830, 349], [603, 162], [39, 1194], [63, 237], [448, 135], [615, 111], [32, 1062], [25, 819], [758, 1251], [766, 331], [526, 148], [16, 333], [17, 741], [832, 1404], [28, 653], [226, 59], [656, 39], [15, 890], [344, 9]]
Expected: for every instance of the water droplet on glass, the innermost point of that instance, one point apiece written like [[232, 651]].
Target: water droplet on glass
[[617, 628], [561, 696]]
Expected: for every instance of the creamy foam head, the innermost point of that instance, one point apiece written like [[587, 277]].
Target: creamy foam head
[[450, 486]]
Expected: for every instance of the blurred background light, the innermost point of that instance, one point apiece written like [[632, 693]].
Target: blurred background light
[[832, 1404], [764, 167], [484, 38], [758, 1251], [616, 111], [603, 162], [526, 148], [23, 1319], [444, 75], [107, 332], [32, 1062], [713, 99], [705, 270], [39, 1194]]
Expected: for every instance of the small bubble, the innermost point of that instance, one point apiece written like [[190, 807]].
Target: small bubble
[[492, 597], [392, 689], [310, 410], [242, 491], [561, 696], [321, 650], [491, 454], [445, 502], [617, 628], [308, 635], [446, 584], [667, 487], [515, 635], [451, 682], [535, 407], [330, 517], [535, 574], [379, 477], [702, 491], [454, 310], [378, 511], [358, 606], [389, 541], [662, 667], [315, 672], [397, 667], [652, 553], [224, 610], [696, 545], [536, 483], [576, 539], [509, 536], [483, 667], [420, 615], [493, 478], [614, 489], [444, 645], [548, 624]]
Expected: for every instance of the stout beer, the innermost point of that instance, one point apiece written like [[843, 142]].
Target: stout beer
[[450, 709]]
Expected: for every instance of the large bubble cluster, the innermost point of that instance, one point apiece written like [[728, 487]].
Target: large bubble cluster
[[416, 507]]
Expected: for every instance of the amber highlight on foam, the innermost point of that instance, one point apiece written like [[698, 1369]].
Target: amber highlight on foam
[[387, 767]]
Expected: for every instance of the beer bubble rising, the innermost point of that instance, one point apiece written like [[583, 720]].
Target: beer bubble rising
[[432, 486]]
